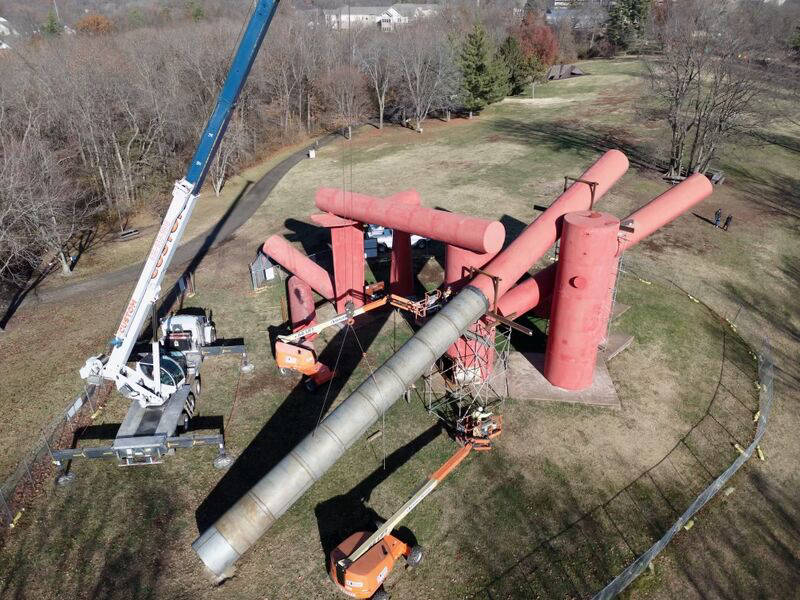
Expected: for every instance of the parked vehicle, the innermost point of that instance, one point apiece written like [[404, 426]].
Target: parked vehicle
[[384, 237]]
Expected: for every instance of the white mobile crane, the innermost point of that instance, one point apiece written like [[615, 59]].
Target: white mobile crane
[[162, 389]]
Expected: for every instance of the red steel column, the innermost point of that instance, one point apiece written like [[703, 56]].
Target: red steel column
[[401, 276], [347, 243], [347, 248], [584, 276], [476, 353], [477, 357]]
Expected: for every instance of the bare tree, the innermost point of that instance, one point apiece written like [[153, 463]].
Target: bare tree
[[710, 78], [428, 77], [376, 61], [230, 152], [40, 210], [345, 92]]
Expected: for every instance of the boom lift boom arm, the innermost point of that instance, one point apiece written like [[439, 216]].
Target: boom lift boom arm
[[184, 196]]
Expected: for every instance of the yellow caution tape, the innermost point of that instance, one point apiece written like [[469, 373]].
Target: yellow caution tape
[[739, 449], [16, 518], [644, 281], [760, 453], [689, 524], [756, 416]]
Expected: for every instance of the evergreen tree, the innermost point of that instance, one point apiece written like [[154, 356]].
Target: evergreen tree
[[521, 69], [626, 21], [52, 26], [484, 76], [499, 86]]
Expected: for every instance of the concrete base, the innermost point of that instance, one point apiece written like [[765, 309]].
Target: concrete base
[[526, 382], [617, 342], [619, 310]]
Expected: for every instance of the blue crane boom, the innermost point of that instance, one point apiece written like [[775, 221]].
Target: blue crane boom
[[226, 101], [184, 196]]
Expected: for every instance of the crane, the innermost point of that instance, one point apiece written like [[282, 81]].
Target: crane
[[184, 196], [155, 382]]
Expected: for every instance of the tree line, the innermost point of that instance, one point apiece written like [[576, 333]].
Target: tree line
[[95, 125]]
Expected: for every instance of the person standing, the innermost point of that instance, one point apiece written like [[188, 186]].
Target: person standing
[[727, 224], [717, 217]]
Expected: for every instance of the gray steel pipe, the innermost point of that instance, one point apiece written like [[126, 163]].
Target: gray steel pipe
[[221, 545]]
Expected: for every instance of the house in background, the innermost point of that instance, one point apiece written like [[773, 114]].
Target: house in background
[[386, 18], [6, 31]]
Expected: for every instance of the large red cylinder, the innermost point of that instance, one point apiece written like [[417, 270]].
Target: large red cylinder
[[302, 312], [536, 238], [299, 264], [584, 276], [472, 233]]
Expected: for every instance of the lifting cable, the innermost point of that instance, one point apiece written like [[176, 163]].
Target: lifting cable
[[233, 405], [330, 381], [383, 404]]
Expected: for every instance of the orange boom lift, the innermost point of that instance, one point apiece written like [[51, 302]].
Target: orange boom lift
[[361, 563]]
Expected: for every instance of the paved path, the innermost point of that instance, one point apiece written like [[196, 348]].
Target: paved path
[[196, 248]]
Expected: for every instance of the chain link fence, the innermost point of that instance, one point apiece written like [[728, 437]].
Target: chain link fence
[[34, 471], [604, 550], [637, 567]]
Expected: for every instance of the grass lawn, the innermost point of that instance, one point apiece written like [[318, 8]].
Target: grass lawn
[[571, 493]]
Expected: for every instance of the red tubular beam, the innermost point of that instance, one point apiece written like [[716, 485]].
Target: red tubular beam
[[658, 212], [472, 233], [666, 208], [301, 303], [526, 295], [534, 241], [299, 264], [661, 210]]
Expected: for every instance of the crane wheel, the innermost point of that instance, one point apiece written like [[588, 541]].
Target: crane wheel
[[196, 387], [414, 557], [381, 594]]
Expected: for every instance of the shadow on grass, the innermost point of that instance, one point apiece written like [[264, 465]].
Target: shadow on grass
[[773, 191], [586, 552], [295, 418], [82, 547], [560, 136], [341, 516]]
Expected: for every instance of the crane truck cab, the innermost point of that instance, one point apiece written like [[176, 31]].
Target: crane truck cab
[[186, 335]]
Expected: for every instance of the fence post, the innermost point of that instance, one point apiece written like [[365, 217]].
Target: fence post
[[47, 445], [8, 510]]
